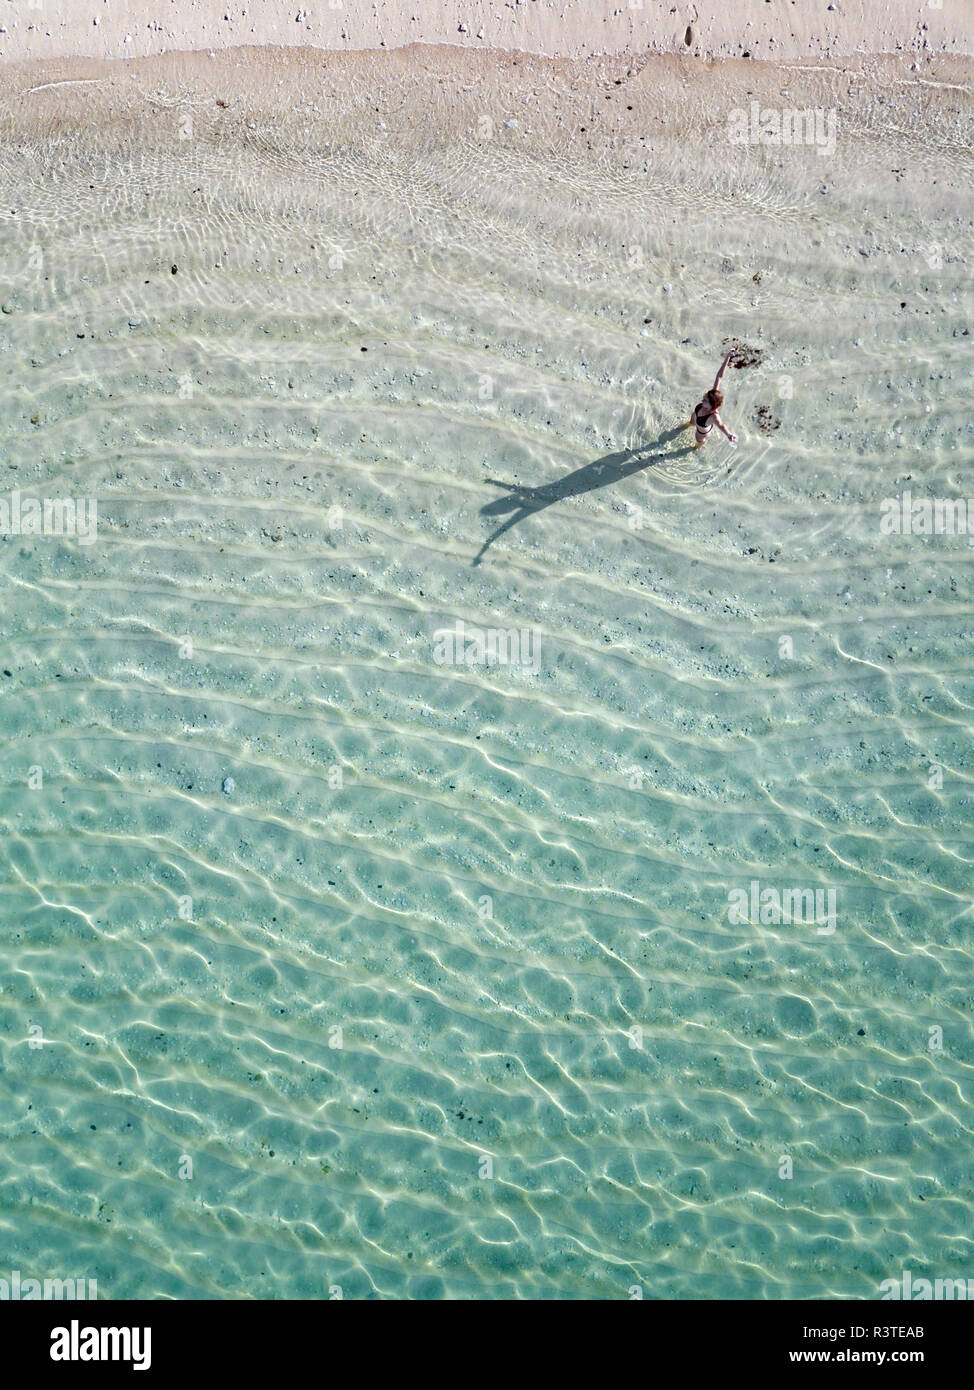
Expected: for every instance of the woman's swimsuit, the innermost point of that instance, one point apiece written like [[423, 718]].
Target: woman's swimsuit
[[704, 423]]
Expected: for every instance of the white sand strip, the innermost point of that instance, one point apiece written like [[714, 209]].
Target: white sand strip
[[780, 30]]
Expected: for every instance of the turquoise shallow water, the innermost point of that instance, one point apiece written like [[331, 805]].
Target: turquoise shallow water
[[330, 966]]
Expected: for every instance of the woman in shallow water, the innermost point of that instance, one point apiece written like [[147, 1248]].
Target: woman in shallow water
[[706, 414]]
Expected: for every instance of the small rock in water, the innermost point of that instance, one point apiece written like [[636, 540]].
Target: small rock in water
[[228, 785]]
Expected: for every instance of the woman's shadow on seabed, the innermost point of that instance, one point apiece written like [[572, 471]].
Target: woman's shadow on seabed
[[612, 468]]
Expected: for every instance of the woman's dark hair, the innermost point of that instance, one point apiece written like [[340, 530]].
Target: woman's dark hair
[[716, 399]]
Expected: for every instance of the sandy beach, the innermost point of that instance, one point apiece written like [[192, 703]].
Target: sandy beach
[[768, 30]]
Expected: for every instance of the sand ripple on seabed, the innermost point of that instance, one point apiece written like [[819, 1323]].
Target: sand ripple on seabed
[[484, 877]]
